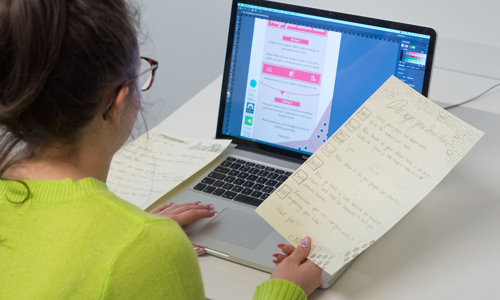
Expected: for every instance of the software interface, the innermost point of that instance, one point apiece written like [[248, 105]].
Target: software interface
[[294, 79]]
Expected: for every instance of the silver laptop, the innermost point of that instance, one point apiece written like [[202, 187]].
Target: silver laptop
[[292, 76]]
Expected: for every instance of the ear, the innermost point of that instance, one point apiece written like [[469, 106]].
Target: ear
[[117, 107]]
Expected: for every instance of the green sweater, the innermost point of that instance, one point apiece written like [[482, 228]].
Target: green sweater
[[77, 240]]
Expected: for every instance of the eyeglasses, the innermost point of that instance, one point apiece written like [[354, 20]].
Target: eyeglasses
[[146, 77]]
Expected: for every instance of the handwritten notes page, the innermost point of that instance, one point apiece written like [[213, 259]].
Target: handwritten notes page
[[156, 162], [374, 169]]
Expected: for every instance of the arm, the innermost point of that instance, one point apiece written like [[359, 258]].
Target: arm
[[158, 264]]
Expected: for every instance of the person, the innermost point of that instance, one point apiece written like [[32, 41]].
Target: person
[[70, 89]]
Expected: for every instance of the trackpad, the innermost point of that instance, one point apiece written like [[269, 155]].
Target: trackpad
[[238, 228]]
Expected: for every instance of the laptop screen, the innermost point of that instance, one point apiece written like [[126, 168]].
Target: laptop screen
[[294, 75]]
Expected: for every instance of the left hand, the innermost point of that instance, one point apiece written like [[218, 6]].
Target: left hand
[[184, 213]]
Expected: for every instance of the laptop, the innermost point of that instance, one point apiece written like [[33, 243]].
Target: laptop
[[292, 76]]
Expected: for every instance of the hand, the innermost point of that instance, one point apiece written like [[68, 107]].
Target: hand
[[184, 213], [295, 267]]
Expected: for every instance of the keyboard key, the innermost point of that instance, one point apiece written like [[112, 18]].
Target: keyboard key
[[271, 182], [207, 180], [250, 164], [241, 161], [253, 171], [244, 169], [252, 177], [227, 186], [247, 200], [218, 183], [235, 166], [233, 173], [257, 187], [264, 196], [282, 178], [237, 189], [209, 189], [248, 184], [238, 181], [222, 170], [246, 191], [278, 184], [288, 173], [269, 169], [261, 180], [263, 173], [260, 166], [216, 175], [256, 194], [218, 192], [199, 186], [229, 179], [226, 163], [272, 176], [228, 195], [267, 189], [243, 175], [281, 172], [231, 158]]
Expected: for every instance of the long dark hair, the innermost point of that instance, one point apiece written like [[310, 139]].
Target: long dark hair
[[58, 59]]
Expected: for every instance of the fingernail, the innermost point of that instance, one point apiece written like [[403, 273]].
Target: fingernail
[[305, 242], [275, 261], [199, 250], [171, 203], [281, 245], [196, 202], [214, 211], [275, 254], [209, 205]]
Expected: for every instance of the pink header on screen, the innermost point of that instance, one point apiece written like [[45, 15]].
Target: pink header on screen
[[300, 28], [288, 102], [295, 40]]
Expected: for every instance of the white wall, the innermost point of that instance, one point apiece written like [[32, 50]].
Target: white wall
[[188, 37]]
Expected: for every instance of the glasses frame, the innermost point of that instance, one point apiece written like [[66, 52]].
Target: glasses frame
[[154, 66]]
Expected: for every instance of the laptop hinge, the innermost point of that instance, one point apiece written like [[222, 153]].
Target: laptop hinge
[[273, 155]]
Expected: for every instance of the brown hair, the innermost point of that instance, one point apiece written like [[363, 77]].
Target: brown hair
[[58, 59]]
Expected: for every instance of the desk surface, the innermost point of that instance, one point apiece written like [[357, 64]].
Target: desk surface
[[445, 248]]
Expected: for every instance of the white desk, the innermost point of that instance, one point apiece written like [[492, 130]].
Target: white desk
[[445, 248]]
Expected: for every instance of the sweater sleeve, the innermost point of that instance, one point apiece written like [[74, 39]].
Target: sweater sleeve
[[158, 264], [279, 289]]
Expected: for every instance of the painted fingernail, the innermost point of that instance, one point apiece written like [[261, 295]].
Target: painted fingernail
[[209, 205], [281, 245], [199, 250], [214, 211], [275, 261], [171, 203], [305, 242], [196, 202], [275, 254]]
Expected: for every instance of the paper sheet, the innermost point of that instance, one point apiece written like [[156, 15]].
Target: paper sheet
[[374, 169], [150, 166]]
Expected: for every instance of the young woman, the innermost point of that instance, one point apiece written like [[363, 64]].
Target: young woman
[[70, 76]]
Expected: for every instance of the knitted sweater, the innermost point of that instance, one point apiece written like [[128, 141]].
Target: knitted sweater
[[77, 240]]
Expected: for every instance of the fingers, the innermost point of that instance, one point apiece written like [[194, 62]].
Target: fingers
[[287, 249], [178, 209], [199, 250], [301, 251], [161, 207], [192, 215]]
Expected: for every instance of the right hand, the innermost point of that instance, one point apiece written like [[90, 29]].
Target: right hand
[[297, 269]]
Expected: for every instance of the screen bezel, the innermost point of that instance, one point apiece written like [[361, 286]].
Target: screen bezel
[[321, 13]]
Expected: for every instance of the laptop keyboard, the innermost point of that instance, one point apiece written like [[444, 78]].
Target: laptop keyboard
[[242, 181]]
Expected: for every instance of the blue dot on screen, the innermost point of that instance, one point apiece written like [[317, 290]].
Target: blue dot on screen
[[253, 83], [321, 130], [324, 124], [324, 141], [305, 147], [300, 149], [318, 136]]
